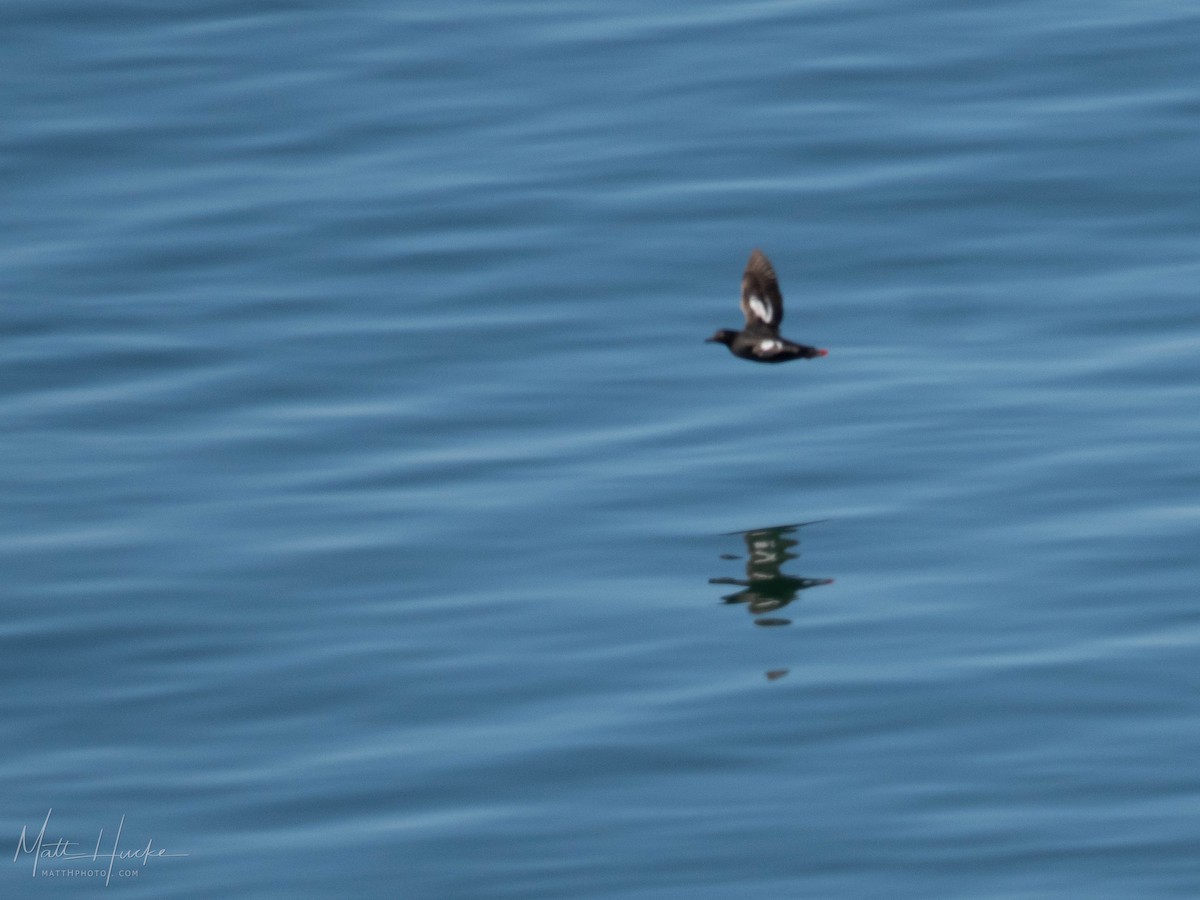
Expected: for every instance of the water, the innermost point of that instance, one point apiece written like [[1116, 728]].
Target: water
[[366, 473]]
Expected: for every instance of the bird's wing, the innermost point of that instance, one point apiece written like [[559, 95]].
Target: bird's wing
[[761, 301]]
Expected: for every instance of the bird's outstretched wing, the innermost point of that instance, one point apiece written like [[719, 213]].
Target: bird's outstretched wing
[[762, 304]]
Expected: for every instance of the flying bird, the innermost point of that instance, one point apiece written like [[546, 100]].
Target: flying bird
[[762, 305]]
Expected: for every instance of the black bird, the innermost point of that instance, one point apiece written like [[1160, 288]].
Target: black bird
[[762, 305]]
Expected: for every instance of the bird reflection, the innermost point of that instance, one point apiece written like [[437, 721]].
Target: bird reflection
[[765, 588]]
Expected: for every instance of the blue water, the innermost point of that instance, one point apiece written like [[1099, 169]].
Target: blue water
[[365, 474]]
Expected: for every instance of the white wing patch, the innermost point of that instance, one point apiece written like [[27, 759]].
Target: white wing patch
[[760, 307], [769, 346]]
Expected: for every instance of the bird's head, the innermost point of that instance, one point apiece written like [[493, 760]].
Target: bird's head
[[724, 336]]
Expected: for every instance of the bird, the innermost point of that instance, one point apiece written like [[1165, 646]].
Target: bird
[[762, 305]]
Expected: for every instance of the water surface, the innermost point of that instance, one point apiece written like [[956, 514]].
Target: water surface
[[366, 472]]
